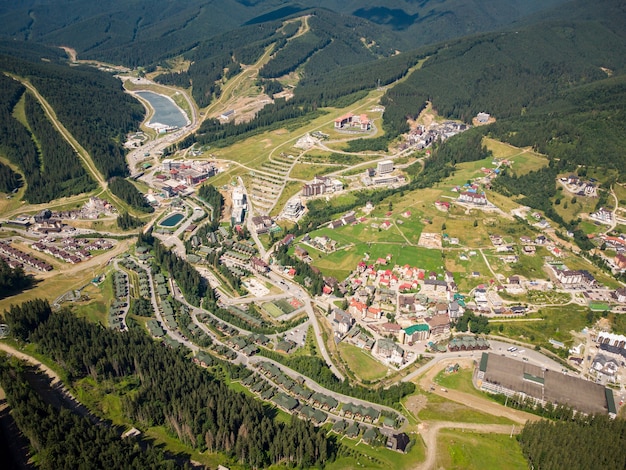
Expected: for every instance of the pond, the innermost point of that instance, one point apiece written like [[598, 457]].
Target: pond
[[172, 220], [166, 111]]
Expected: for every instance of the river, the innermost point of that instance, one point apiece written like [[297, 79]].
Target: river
[[167, 114]]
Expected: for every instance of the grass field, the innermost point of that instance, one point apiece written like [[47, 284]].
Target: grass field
[[357, 240], [442, 409], [308, 172], [290, 190], [557, 324], [272, 309], [462, 269], [470, 450], [460, 380], [340, 263], [364, 366], [524, 160], [361, 456]]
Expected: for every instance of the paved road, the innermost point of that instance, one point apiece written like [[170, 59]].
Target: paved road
[[302, 295], [254, 360], [173, 333], [497, 347]]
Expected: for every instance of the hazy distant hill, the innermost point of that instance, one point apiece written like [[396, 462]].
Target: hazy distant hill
[[140, 32]]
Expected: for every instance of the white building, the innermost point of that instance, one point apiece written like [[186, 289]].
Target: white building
[[294, 208], [386, 166], [239, 205]]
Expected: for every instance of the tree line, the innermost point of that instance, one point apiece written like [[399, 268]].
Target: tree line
[[577, 442], [125, 221], [59, 171], [293, 54], [16, 142], [9, 179], [209, 194], [13, 280], [128, 193], [188, 279]]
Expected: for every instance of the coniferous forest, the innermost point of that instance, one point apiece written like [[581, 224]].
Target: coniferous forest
[[581, 443], [128, 193], [64, 439], [13, 280], [89, 103], [58, 172], [172, 392], [9, 180]]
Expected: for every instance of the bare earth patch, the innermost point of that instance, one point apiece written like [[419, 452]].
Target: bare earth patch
[[416, 403]]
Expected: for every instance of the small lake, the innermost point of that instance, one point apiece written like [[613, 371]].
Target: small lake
[[166, 112], [172, 220]]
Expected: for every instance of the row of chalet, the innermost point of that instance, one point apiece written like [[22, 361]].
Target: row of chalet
[[63, 255], [358, 412], [395, 441], [319, 400], [243, 344], [25, 258], [298, 392], [468, 343]]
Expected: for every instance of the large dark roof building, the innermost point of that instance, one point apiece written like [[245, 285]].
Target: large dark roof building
[[500, 374]]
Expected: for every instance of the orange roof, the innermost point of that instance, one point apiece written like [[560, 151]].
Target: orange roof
[[344, 117]]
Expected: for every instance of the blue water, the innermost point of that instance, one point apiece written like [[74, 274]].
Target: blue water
[[172, 220], [165, 111]]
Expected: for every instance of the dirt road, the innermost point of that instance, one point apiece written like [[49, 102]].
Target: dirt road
[[55, 382], [430, 430], [481, 404]]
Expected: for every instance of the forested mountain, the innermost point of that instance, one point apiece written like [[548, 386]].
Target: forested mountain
[[140, 33], [89, 103], [557, 86]]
